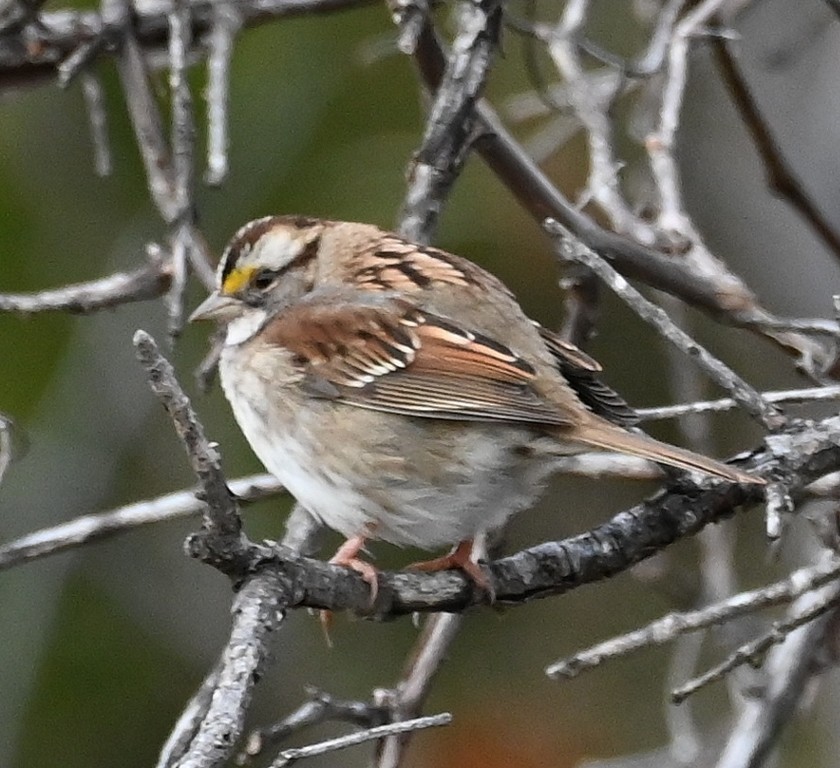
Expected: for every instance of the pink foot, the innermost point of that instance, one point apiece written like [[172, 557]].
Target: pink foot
[[459, 558]]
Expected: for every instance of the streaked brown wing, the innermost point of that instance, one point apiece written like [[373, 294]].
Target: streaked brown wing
[[393, 357], [579, 370]]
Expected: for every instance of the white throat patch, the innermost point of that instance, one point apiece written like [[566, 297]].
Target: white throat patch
[[244, 327]]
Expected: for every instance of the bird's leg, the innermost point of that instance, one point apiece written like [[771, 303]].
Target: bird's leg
[[348, 555], [461, 558]]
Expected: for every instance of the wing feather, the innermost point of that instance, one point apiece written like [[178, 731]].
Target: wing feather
[[387, 355], [580, 371]]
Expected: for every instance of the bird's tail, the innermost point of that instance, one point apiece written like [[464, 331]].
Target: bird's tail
[[614, 439]]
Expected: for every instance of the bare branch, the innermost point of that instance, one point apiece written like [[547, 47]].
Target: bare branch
[[572, 249], [406, 699], [721, 294], [321, 707], [451, 120], [148, 282], [789, 669], [258, 611], [289, 756], [12, 443], [592, 99], [34, 60], [221, 517], [147, 124], [227, 20], [188, 723], [780, 176], [97, 117], [790, 396], [674, 625], [88, 528], [750, 652]]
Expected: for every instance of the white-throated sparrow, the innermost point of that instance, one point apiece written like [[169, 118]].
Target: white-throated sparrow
[[399, 392]]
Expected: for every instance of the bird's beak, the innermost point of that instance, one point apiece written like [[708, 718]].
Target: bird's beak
[[216, 307]]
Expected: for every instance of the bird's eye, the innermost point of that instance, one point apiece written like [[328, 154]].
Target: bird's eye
[[263, 279]]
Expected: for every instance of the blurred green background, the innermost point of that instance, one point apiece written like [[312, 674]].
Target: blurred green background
[[100, 648]]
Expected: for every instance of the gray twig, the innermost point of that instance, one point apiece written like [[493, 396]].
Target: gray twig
[[321, 707], [451, 120], [182, 140], [79, 61], [98, 120], [221, 517], [148, 282], [227, 21], [790, 667], [717, 292], [406, 699], [258, 611], [289, 756], [674, 625], [95, 527], [789, 396], [751, 652], [189, 721], [62, 32], [147, 124], [570, 248], [12, 445]]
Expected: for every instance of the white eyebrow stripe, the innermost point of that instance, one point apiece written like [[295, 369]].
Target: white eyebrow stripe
[[276, 250]]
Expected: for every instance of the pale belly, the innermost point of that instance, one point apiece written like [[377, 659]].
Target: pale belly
[[418, 482]]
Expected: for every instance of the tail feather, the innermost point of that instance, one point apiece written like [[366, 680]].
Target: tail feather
[[647, 448]]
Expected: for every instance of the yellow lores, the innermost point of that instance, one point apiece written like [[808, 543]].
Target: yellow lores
[[238, 279]]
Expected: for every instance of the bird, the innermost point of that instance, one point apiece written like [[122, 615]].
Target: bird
[[400, 393]]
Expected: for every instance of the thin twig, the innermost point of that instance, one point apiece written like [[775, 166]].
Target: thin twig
[[221, 513], [63, 31], [789, 670], [227, 21], [592, 102], [750, 652], [715, 291], [148, 282], [674, 625], [182, 140], [788, 396], [87, 528], [320, 708], [188, 722], [79, 61], [781, 177], [289, 756], [11, 444], [98, 121], [258, 611], [147, 124], [572, 249], [406, 700], [451, 121]]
